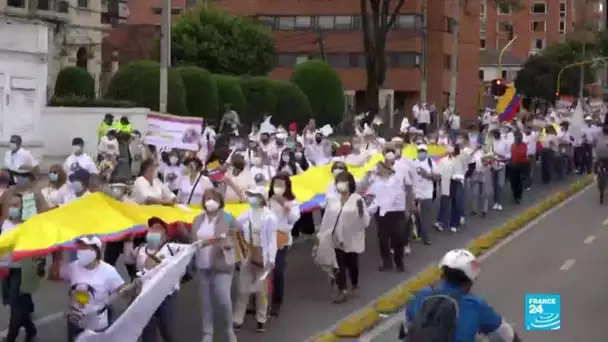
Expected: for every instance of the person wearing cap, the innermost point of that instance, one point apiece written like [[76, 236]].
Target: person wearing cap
[[17, 159], [260, 226], [148, 189], [23, 278], [423, 182], [193, 183], [79, 159], [92, 283], [105, 125], [78, 185], [146, 257]]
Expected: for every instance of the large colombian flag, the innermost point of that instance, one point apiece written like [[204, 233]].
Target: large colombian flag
[[507, 106], [110, 220]]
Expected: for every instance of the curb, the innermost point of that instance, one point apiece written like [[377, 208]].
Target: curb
[[365, 319]]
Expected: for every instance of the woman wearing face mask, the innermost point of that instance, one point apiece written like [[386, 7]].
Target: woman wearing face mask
[[30, 190], [172, 170], [260, 227], [236, 180], [343, 231], [300, 157], [288, 163], [148, 189], [193, 184], [260, 170], [92, 283], [146, 257], [284, 205], [22, 279], [56, 186]]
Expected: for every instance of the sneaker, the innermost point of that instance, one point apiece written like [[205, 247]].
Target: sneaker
[[407, 250], [499, 207], [462, 220], [260, 327], [495, 206], [340, 297], [453, 229], [528, 189], [207, 338], [438, 226]]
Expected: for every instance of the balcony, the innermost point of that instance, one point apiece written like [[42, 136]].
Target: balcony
[[46, 10]]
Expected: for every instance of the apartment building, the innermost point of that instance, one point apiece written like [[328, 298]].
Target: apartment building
[[75, 32]]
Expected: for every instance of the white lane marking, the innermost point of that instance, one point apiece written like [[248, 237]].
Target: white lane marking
[[40, 321], [567, 265], [589, 239], [399, 317], [605, 222]]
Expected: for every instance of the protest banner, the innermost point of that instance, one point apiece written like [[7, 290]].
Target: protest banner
[[166, 131]]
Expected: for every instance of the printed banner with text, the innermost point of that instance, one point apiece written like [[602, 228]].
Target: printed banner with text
[[167, 131]]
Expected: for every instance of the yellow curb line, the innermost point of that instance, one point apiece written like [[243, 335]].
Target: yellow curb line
[[365, 319]]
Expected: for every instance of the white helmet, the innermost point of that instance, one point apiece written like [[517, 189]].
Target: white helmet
[[462, 260]]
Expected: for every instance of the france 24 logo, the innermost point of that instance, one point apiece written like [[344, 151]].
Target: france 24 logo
[[543, 311]]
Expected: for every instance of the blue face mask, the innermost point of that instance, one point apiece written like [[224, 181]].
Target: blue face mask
[[154, 239], [53, 177], [291, 145], [253, 202], [421, 156], [14, 213]]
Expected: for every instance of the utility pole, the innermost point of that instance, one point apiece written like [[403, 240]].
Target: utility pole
[[582, 82], [165, 54], [321, 42], [425, 37], [454, 61]]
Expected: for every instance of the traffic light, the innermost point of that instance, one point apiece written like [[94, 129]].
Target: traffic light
[[498, 87]]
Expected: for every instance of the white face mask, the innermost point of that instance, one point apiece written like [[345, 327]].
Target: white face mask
[[85, 256], [211, 205], [172, 160], [298, 155], [337, 172], [342, 186], [390, 156], [77, 149], [279, 190], [285, 158], [257, 161]]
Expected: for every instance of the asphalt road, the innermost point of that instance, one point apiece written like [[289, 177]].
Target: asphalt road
[[307, 308], [564, 254]]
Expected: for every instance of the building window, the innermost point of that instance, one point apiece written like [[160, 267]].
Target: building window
[[504, 27], [562, 7], [343, 22], [357, 60], [403, 60], [503, 74], [482, 44], [562, 27], [338, 60], [286, 23], [481, 75], [482, 26], [303, 22], [325, 22], [482, 9], [538, 8], [447, 62], [406, 21], [105, 18], [503, 9], [450, 23], [538, 26], [538, 43], [16, 3], [83, 3], [301, 59], [267, 20]]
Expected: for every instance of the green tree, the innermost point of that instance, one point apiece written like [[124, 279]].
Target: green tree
[[260, 96], [73, 81], [323, 87], [292, 104], [537, 79], [565, 54], [229, 92], [221, 43], [201, 91], [139, 82]]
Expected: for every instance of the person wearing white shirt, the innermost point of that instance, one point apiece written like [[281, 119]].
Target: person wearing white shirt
[[260, 226], [454, 125], [17, 159], [445, 168], [424, 118], [547, 154], [357, 157], [502, 151], [564, 150], [590, 133], [288, 163], [78, 159], [108, 146], [423, 182], [206, 143], [237, 180], [319, 152], [342, 232], [481, 183], [56, 187], [148, 189], [531, 140], [261, 172], [172, 170], [193, 184], [286, 208], [146, 257], [77, 187]]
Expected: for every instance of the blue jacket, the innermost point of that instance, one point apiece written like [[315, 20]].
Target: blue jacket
[[475, 315]]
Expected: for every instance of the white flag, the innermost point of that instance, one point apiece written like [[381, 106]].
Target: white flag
[[157, 285], [577, 122]]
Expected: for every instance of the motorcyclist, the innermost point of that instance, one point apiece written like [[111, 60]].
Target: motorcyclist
[[601, 160], [459, 269]]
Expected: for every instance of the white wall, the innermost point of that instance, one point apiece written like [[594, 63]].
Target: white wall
[[62, 124], [491, 73]]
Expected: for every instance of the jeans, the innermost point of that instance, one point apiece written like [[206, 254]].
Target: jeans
[[457, 199], [214, 292], [278, 276], [162, 319], [479, 198], [498, 182], [443, 215], [348, 262]]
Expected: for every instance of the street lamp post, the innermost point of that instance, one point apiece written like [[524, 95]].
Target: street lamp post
[[165, 54], [502, 52], [581, 64]]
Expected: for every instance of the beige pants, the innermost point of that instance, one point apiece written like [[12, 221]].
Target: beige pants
[[249, 275]]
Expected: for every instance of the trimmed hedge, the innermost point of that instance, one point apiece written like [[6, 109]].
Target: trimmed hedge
[[292, 104], [260, 96], [201, 91], [76, 101], [229, 91], [74, 81], [139, 82], [323, 87]]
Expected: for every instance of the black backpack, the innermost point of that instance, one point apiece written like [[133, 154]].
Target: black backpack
[[436, 321]]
